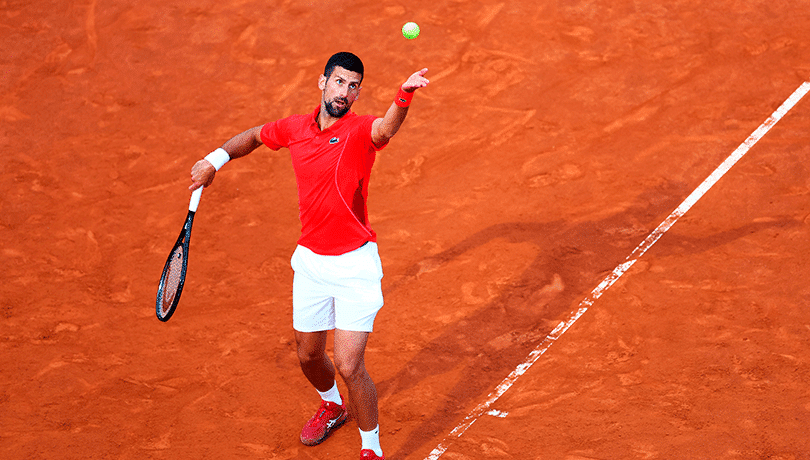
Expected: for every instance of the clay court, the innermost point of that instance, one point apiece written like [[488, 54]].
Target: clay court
[[554, 137]]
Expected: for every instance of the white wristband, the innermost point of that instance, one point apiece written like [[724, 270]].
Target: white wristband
[[218, 158]]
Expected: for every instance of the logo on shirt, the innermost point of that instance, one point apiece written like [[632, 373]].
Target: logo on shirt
[[334, 140]]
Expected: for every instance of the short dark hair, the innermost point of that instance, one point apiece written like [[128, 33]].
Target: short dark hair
[[346, 60]]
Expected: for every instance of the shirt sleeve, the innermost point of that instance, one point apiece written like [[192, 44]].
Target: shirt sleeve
[[273, 135]]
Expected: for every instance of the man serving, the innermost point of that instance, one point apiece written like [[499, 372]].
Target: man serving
[[337, 280]]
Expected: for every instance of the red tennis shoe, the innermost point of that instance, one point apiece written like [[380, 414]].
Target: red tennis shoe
[[330, 416], [368, 454]]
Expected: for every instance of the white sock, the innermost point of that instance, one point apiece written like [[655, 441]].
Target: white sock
[[371, 440], [333, 394]]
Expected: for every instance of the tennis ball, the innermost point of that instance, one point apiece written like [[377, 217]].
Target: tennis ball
[[410, 30]]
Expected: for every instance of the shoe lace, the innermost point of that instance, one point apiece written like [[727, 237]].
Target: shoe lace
[[323, 410]]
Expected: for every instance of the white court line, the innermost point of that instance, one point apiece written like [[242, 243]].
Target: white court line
[[621, 269]]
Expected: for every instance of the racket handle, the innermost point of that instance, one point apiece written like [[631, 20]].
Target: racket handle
[[195, 199]]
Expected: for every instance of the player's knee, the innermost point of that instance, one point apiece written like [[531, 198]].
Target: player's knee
[[307, 355], [349, 368]]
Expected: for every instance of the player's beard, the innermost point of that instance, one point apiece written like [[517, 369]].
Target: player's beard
[[333, 111]]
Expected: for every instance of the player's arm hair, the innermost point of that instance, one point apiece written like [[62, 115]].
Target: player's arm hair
[[384, 128], [244, 143]]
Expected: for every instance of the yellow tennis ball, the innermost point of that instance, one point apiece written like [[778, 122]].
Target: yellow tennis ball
[[410, 30]]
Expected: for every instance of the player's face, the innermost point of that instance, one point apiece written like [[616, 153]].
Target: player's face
[[340, 91]]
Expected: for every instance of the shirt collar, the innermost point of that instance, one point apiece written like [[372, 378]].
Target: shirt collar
[[336, 125]]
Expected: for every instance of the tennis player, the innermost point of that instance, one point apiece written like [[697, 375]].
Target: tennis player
[[337, 268]]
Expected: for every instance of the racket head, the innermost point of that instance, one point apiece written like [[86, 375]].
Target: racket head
[[174, 274]]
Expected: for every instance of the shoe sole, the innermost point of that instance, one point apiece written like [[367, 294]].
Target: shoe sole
[[329, 431]]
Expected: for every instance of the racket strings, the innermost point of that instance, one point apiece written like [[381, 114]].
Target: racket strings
[[172, 282]]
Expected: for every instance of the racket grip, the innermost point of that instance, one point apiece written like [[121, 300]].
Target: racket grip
[[195, 199]]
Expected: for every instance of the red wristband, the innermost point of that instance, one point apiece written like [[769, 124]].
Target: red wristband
[[403, 98]]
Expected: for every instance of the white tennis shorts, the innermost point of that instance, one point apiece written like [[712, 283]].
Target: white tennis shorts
[[343, 292]]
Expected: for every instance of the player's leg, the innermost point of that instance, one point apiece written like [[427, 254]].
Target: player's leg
[[313, 317], [350, 349], [320, 372], [357, 301], [314, 361]]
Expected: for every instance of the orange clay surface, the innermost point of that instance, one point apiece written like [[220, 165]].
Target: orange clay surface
[[553, 138]]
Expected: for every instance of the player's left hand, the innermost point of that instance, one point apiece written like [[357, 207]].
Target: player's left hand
[[416, 81]]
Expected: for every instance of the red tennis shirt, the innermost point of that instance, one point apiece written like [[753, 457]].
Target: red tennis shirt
[[332, 170]]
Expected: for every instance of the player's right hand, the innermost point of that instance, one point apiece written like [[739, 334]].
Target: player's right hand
[[202, 174]]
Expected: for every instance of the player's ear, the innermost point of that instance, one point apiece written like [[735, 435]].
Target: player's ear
[[322, 82]]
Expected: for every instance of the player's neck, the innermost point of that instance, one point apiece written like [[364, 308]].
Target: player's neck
[[325, 120]]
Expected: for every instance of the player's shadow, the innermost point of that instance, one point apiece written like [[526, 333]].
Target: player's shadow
[[490, 343]]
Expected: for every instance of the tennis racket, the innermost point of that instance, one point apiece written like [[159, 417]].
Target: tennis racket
[[174, 272]]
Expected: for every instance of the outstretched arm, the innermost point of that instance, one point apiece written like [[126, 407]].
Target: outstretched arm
[[202, 173], [384, 128]]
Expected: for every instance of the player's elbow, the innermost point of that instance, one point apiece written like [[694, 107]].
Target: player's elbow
[[384, 133]]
